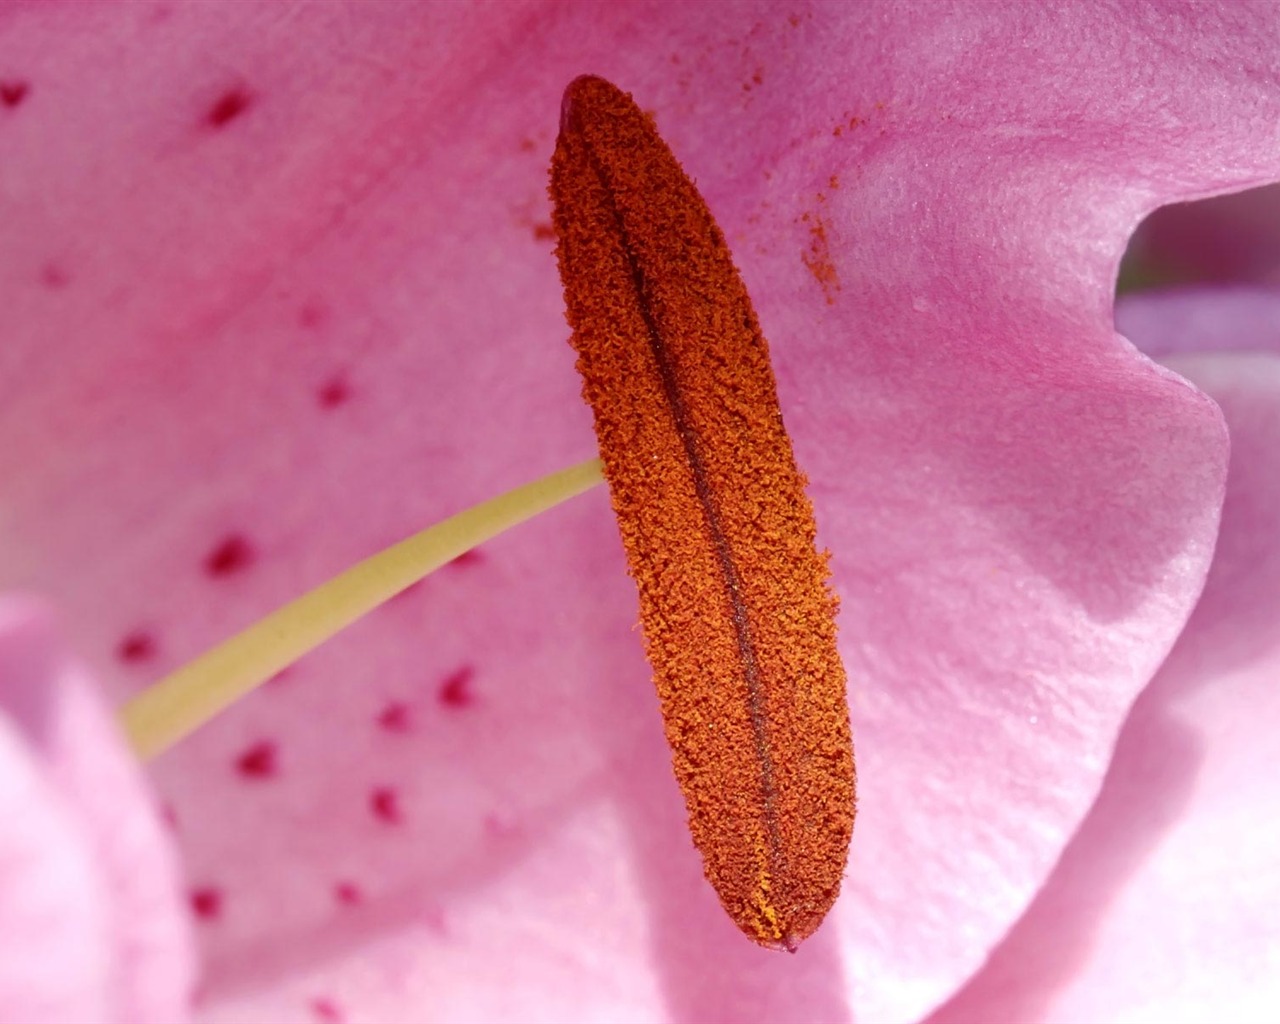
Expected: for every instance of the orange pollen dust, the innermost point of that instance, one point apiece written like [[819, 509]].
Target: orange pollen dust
[[719, 535]]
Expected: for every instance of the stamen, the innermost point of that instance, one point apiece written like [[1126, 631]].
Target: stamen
[[719, 535], [187, 698]]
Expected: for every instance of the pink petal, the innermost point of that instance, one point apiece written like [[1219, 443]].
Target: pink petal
[[301, 302], [1231, 238], [92, 925], [1201, 319], [1161, 907]]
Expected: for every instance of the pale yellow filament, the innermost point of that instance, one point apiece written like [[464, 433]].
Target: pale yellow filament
[[187, 698]]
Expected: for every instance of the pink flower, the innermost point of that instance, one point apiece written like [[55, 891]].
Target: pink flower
[[278, 290], [91, 927]]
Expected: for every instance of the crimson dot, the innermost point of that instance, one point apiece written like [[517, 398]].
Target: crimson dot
[[455, 691], [326, 1010], [386, 804], [312, 315], [12, 93], [207, 903], [137, 646], [348, 893], [471, 557], [259, 761], [232, 554], [334, 393], [230, 105], [395, 717], [54, 277]]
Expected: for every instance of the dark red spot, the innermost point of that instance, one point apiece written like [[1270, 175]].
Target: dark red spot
[[207, 903], [231, 555], [385, 802], [312, 315], [395, 717], [334, 393], [472, 557], [544, 233], [326, 1010], [259, 761], [230, 105], [348, 893], [281, 677], [12, 92], [137, 646], [455, 691], [54, 277]]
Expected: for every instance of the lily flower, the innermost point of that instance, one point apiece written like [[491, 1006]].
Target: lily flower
[[278, 289]]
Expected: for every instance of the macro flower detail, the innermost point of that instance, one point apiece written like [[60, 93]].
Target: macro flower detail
[[1022, 508]]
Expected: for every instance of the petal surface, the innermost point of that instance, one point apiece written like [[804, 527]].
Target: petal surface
[[1160, 907], [283, 293], [93, 925]]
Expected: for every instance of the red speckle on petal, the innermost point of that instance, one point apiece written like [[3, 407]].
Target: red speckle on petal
[[334, 393], [385, 802], [12, 92], [54, 277], [207, 903], [312, 315], [230, 105], [544, 233], [326, 1010], [395, 717], [348, 893], [455, 691], [472, 557], [137, 646], [169, 816], [231, 555], [258, 762]]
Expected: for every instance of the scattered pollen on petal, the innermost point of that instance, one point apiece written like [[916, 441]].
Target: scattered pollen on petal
[[737, 613], [233, 554], [455, 691]]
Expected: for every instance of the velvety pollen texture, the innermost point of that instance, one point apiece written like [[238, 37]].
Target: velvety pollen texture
[[734, 602], [278, 287]]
